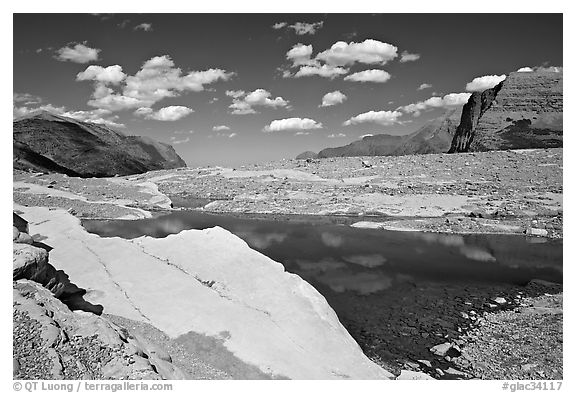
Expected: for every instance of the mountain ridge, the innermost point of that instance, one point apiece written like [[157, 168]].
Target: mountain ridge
[[44, 141]]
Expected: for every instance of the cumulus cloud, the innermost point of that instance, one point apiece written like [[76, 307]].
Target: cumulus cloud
[[220, 128], [376, 76], [405, 57], [144, 26], [176, 141], [367, 52], [339, 135], [26, 98], [293, 123], [525, 69], [232, 135], [333, 98], [79, 53], [482, 83], [332, 62], [158, 78], [448, 101], [300, 55], [112, 74], [95, 116], [243, 103], [168, 113], [384, 118], [424, 86], [325, 71], [302, 133], [302, 28]]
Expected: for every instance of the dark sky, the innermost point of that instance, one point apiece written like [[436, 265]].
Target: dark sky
[[245, 53]]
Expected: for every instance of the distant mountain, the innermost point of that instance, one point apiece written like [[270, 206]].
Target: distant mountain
[[434, 137], [306, 154], [523, 111], [47, 142]]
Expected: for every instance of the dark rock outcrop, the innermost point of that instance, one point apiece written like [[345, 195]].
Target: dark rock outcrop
[[52, 143], [523, 111]]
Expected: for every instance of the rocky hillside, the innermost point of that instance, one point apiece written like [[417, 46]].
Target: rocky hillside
[[434, 137], [50, 143], [523, 111], [376, 145]]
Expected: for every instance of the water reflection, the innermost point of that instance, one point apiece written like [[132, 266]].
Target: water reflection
[[371, 260], [368, 261], [261, 241]]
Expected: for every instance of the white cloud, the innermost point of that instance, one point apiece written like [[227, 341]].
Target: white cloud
[[340, 135], [525, 69], [302, 28], [367, 52], [424, 86], [80, 53], [158, 78], [232, 135], [293, 123], [169, 113], [482, 83], [243, 103], [384, 118], [300, 55], [405, 57], [175, 141], [377, 76], [144, 26], [95, 116], [325, 71], [220, 128], [333, 98], [112, 74], [449, 100], [26, 98], [299, 133]]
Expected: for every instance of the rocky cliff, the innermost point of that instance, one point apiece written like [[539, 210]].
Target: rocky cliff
[[52, 143], [523, 111]]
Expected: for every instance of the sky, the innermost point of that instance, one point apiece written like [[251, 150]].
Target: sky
[[233, 89]]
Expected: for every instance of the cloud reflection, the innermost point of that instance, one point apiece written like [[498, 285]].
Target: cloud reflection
[[331, 240], [262, 241], [371, 260]]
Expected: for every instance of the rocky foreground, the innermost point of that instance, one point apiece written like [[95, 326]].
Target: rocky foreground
[[492, 192]]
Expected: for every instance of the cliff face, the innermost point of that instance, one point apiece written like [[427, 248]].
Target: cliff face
[[51, 143], [523, 111]]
